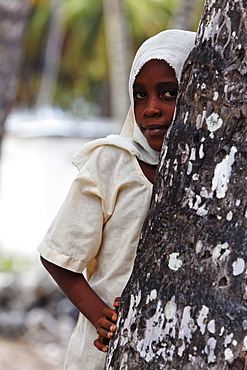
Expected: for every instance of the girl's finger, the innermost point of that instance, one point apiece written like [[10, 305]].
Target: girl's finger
[[100, 346], [104, 333], [106, 324]]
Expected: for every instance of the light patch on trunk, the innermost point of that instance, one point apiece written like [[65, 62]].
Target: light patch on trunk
[[174, 262], [186, 329], [205, 194], [238, 202], [211, 27], [216, 96], [238, 266], [199, 246], [245, 344], [222, 174], [221, 252], [202, 211], [186, 117], [214, 122], [158, 197], [201, 151], [199, 121], [126, 333], [222, 331], [171, 317], [229, 357], [229, 216], [197, 202], [189, 197], [211, 326], [171, 309], [202, 318], [195, 177], [185, 153], [156, 333], [244, 325], [163, 157], [152, 296], [193, 154], [209, 350], [171, 181], [194, 201], [189, 169], [175, 165], [211, 3], [228, 339]]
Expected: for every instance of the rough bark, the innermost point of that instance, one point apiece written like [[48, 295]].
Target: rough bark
[[13, 14], [185, 306]]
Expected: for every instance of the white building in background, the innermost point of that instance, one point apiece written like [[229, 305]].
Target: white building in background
[[36, 172]]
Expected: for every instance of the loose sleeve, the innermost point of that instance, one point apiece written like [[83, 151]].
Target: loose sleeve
[[74, 238]]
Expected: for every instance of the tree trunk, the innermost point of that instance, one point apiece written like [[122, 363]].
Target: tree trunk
[[52, 54], [185, 306], [13, 15], [118, 49]]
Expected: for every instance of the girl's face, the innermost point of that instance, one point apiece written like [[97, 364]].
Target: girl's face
[[155, 91]]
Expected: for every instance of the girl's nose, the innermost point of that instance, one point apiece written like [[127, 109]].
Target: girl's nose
[[152, 107]]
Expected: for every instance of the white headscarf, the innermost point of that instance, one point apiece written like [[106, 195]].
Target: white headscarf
[[173, 46]]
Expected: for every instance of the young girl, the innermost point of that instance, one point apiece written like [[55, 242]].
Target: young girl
[[99, 223]]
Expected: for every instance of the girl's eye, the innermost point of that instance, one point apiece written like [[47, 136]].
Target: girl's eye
[[140, 95], [170, 94]]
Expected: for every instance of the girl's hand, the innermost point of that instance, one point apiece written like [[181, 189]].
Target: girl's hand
[[106, 327], [116, 303]]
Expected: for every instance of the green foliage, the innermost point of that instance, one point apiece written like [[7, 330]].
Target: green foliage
[[9, 263], [83, 64], [146, 18]]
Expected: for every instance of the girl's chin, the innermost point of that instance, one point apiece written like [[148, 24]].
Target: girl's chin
[[155, 143]]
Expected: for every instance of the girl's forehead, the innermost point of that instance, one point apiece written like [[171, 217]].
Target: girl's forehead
[[156, 67]]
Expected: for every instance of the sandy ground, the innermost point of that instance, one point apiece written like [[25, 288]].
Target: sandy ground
[[17, 355]]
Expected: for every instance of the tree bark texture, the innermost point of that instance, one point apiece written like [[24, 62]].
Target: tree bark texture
[[13, 15], [185, 305]]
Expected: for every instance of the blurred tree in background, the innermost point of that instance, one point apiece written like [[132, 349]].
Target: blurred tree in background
[[13, 16], [69, 49]]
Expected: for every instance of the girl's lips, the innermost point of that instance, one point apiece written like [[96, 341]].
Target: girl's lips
[[155, 130]]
